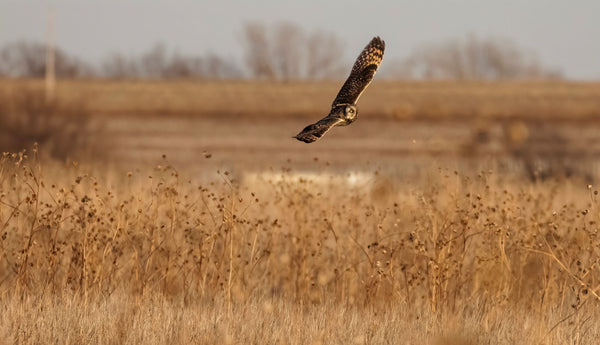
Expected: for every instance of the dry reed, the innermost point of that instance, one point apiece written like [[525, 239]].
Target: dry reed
[[161, 258]]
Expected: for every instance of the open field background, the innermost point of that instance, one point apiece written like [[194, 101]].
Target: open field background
[[538, 129], [447, 214], [420, 101]]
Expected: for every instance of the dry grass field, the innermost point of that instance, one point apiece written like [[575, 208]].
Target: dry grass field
[[415, 225], [422, 101]]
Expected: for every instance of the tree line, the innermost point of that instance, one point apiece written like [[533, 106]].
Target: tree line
[[286, 51]]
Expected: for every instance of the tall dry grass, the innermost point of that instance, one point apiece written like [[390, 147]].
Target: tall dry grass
[[120, 319], [103, 256]]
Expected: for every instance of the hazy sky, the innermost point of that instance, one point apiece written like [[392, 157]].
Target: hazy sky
[[564, 34]]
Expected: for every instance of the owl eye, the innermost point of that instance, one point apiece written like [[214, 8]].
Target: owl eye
[[350, 110]]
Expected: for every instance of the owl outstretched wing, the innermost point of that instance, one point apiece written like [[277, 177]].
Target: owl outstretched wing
[[343, 111], [313, 132], [362, 73]]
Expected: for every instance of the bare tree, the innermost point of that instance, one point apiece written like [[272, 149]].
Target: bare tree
[[288, 50], [257, 53], [282, 51], [154, 63], [23, 59], [179, 66], [285, 51], [159, 63], [323, 57], [217, 67], [475, 59], [118, 66]]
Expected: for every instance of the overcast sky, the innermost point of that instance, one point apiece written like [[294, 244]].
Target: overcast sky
[[564, 34]]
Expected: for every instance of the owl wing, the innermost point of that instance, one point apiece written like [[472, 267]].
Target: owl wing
[[313, 132], [362, 73]]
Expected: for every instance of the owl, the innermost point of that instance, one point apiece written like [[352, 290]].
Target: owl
[[343, 110]]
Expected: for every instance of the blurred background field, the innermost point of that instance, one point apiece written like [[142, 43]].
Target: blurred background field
[[539, 129], [288, 100]]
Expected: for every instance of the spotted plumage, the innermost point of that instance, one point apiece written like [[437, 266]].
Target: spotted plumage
[[343, 110]]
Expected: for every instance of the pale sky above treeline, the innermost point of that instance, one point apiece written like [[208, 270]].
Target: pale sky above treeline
[[563, 34]]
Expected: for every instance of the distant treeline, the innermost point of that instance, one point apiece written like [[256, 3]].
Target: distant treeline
[[285, 51]]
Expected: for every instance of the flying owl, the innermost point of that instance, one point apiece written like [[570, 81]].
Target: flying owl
[[343, 110]]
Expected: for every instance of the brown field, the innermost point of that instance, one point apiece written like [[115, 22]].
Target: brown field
[[536, 128], [417, 101], [447, 214]]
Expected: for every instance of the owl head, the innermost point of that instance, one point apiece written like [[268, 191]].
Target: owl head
[[350, 113]]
